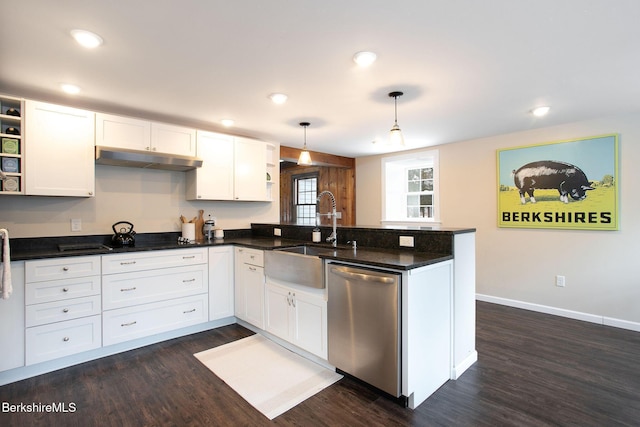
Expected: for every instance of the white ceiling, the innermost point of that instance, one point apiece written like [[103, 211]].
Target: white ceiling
[[468, 68]]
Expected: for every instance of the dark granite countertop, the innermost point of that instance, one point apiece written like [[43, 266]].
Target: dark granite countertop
[[385, 258]]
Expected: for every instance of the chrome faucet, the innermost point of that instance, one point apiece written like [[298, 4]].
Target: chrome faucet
[[333, 238]]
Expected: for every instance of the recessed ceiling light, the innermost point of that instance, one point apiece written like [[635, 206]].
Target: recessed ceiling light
[[540, 111], [364, 59], [69, 88], [278, 98], [227, 122], [87, 38]]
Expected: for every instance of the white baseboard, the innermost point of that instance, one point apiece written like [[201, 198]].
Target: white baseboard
[[577, 315], [459, 369]]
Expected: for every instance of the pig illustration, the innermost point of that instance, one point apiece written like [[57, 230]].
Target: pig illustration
[[568, 179]]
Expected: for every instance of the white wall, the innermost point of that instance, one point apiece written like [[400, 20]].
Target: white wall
[[602, 268], [152, 200]]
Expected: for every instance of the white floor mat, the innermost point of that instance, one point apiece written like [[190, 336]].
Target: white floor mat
[[271, 378]]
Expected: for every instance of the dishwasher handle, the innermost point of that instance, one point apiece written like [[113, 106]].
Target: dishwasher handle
[[343, 272]]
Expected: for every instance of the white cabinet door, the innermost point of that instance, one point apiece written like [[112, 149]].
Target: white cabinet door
[[254, 295], [297, 316], [59, 155], [12, 321], [310, 323], [173, 139], [250, 170], [214, 180], [249, 288], [122, 132], [277, 311], [221, 298]]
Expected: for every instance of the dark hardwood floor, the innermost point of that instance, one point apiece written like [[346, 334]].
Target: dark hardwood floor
[[533, 370]]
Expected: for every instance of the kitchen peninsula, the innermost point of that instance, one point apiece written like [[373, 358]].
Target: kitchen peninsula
[[207, 269]]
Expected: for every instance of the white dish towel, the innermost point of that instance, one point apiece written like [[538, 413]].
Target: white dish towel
[[5, 284]]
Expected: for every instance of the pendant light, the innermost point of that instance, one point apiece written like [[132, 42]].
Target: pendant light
[[305, 157], [395, 135]]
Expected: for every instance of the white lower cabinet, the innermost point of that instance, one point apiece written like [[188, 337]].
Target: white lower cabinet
[[139, 321], [221, 278], [249, 286], [12, 321], [62, 307], [61, 339], [140, 298], [298, 316]]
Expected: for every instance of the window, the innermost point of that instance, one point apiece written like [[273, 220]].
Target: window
[[420, 193], [410, 187], [305, 188]]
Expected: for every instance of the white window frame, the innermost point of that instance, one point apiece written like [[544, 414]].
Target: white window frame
[[394, 191]]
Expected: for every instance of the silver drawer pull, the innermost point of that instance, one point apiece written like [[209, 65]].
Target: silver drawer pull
[[128, 289], [129, 324], [252, 269], [188, 280], [127, 263], [65, 310], [189, 311], [65, 268], [65, 339], [188, 257], [65, 289]]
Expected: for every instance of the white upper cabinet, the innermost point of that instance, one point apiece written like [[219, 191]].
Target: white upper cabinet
[[173, 139], [214, 180], [59, 158], [250, 169], [122, 132], [233, 168], [137, 134]]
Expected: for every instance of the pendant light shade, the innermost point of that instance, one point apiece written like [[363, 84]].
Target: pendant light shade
[[305, 157], [395, 135]]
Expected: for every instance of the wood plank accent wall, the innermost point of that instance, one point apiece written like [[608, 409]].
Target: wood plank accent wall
[[339, 180]]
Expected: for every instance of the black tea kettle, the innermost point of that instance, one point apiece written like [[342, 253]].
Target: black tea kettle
[[122, 236]]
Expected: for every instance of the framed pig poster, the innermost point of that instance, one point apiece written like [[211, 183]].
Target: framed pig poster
[[560, 185]]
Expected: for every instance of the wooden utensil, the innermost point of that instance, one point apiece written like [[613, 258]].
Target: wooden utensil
[[199, 224]]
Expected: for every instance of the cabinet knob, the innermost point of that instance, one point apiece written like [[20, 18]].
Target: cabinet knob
[[65, 289], [91, 193], [65, 339], [65, 310], [65, 268]]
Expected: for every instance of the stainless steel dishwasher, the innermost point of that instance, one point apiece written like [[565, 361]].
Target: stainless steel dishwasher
[[363, 315]]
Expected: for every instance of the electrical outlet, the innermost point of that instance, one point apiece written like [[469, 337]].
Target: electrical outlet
[[560, 281], [338, 215], [76, 224], [406, 241], [277, 232]]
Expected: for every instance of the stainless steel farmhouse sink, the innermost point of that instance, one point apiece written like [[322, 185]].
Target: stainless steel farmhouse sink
[[300, 265]]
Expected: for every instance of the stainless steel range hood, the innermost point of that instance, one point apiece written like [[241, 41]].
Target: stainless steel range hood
[[145, 159]]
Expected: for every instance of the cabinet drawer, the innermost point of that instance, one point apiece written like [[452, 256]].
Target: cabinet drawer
[[140, 261], [57, 311], [61, 268], [250, 256], [56, 290], [61, 339], [143, 320], [140, 287]]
